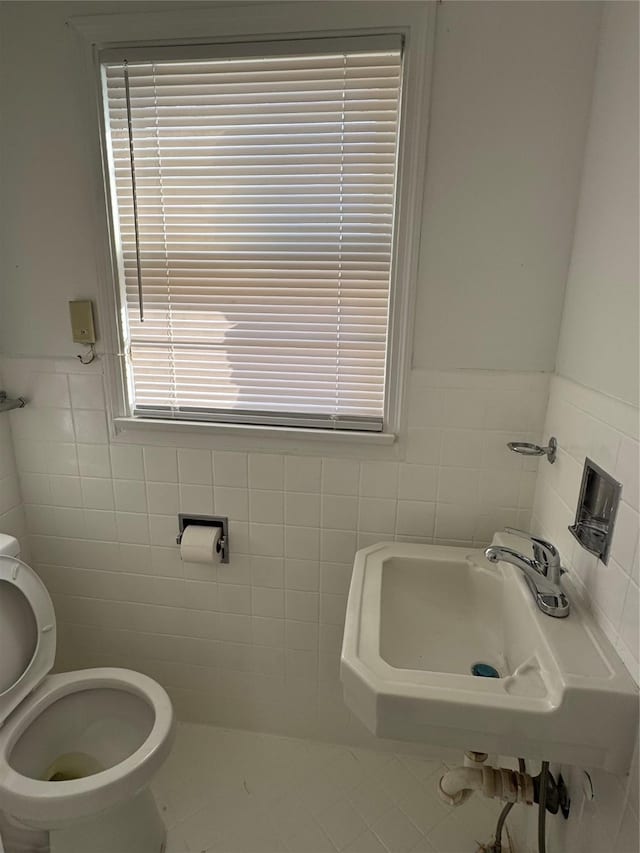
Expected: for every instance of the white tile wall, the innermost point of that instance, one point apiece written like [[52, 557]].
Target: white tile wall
[[587, 423], [255, 643]]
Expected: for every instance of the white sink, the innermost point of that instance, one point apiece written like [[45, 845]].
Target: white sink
[[420, 616]]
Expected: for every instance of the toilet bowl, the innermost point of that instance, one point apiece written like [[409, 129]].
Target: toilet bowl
[[76, 748]]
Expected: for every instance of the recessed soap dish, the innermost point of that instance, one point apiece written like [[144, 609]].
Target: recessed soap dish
[[596, 511]]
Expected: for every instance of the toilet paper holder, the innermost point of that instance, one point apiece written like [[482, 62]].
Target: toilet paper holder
[[220, 521]]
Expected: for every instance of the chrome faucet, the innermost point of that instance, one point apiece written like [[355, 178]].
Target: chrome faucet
[[542, 572]]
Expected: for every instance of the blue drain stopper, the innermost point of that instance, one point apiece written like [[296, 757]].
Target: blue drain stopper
[[485, 670]]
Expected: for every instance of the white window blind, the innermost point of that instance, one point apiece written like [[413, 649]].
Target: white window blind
[[260, 242]]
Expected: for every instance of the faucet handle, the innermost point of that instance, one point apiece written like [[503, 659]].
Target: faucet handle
[[545, 553]]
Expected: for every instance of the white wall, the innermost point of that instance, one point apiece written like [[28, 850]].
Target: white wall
[[511, 95], [586, 417], [510, 103], [599, 341]]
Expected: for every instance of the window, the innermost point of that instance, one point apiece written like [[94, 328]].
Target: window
[[253, 192]]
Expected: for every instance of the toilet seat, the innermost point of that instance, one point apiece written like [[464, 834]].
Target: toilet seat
[[35, 653], [48, 804]]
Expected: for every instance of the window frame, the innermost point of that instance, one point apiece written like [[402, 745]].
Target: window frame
[[262, 21]]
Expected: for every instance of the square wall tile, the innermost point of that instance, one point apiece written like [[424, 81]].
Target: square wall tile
[[340, 476], [627, 471], [303, 606], [65, 491], [130, 495], [266, 539], [337, 546], [234, 599], [97, 493], [377, 515], [462, 448], [161, 464], [267, 632], [417, 482], [455, 522], [332, 608], [379, 479], [94, 460], [506, 484], [49, 390], [266, 471], [302, 510], [197, 500], [335, 578], [629, 631], [195, 467], [132, 527], [416, 518], [36, 488], [339, 512], [267, 601], [63, 459], [86, 391], [459, 485], [625, 536], [302, 474], [163, 498], [231, 502], [32, 457], [100, 524], [127, 462], [266, 506], [423, 446], [230, 469], [301, 635], [302, 543], [90, 426], [301, 574]]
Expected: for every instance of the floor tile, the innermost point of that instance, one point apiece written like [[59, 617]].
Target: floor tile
[[422, 768], [396, 780], [342, 824], [371, 800], [396, 832], [453, 835], [311, 839], [424, 807], [366, 843], [227, 791]]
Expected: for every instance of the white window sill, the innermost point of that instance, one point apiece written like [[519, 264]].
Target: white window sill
[[252, 431]]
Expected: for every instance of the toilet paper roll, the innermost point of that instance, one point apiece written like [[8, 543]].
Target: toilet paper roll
[[200, 544]]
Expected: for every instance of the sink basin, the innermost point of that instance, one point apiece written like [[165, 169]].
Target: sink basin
[[421, 618]]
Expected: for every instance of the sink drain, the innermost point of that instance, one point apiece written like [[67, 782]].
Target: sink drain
[[484, 670]]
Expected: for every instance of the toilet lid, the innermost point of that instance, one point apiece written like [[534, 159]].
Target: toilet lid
[[27, 633]]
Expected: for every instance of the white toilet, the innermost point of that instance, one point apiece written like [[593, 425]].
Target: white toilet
[[79, 749]]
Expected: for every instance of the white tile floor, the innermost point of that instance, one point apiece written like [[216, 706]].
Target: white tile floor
[[228, 791]]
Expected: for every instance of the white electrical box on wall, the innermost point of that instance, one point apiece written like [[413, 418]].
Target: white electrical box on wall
[[82, 325]]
